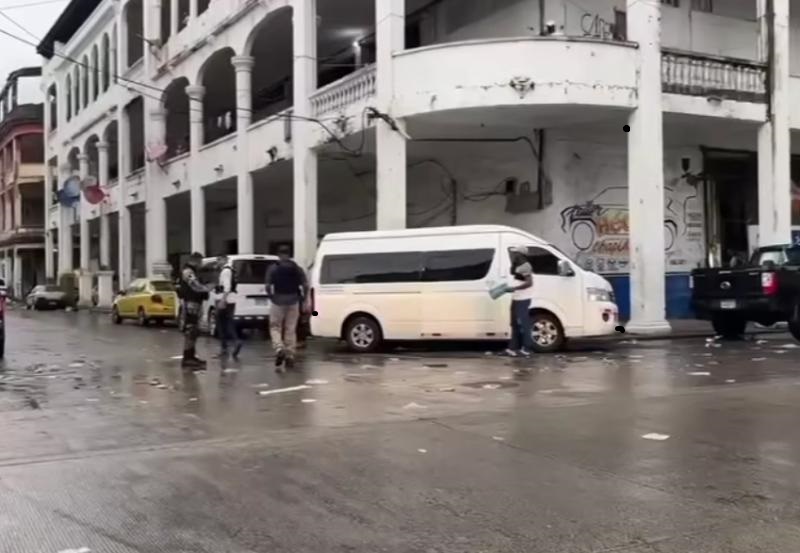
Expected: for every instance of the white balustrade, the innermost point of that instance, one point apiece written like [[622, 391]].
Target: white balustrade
[[348, 90]]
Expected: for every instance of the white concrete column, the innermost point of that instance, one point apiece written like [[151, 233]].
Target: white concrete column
[[85, 277], [17, 198], [105, 292], [244, 187], [17, 275], [105, 230], [774, 137], [646, 176], [198, 204], [156, 209], [66, 263], [124, 230], [305, 158], [192, 9], [173, 17], [49, 269], [391, 145]]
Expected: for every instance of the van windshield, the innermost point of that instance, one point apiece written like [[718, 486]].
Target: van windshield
[[252, 271]]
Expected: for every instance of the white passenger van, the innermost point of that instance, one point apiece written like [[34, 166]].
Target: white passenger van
[[433, 284], [252, 304]]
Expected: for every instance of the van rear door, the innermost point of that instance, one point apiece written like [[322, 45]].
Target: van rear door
[[251, 293]]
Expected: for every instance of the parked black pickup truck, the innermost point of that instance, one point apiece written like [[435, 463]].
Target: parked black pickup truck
[[765, 291]]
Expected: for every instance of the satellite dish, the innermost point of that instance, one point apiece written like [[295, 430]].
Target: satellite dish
[[70, 193]]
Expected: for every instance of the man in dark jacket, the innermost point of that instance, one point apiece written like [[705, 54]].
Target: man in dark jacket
[[287, 287]]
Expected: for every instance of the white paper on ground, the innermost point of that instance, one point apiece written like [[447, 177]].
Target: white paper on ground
[[422, 450], [308, 400], [283, 390], [656, 436], [699, 373], [316, 382]]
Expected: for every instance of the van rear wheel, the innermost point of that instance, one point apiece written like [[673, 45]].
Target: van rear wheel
[[547, 332], [363, 334]]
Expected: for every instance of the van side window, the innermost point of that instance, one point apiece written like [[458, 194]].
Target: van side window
[[371, 268], [457, 265], [208, 274], [542, 261]]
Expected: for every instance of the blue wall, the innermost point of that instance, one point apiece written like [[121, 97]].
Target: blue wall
[[678, 295]]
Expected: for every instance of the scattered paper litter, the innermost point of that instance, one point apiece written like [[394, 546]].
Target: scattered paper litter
[[80, 550], [506, 378], [758, 359], [316, 382], [699, 373], [282, 390], [656, 436], [76, 365], [422, 450], [414, 405], [498, 438], [261, 385], [308, 400], [176, 357], [447, 389], [491, 386], [162, 386], [230, 370], [789, 346], [761, 342], [192, 399], [394, 359], [143, 402], [92, 399], [730, 381], [635, 356]]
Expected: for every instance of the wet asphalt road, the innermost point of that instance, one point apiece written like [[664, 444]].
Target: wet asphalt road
[[108, 445]]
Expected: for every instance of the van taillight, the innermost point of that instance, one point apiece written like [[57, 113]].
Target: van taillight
[[769, 284]]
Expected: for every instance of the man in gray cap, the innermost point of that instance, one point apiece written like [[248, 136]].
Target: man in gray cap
[[521, 342]]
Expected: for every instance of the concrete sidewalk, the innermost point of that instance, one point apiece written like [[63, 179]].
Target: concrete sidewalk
[[693, 328]]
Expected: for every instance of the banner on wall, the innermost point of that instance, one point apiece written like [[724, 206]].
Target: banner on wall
[[597, 232]]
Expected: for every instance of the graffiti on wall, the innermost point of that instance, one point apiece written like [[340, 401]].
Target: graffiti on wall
[[598, 229]]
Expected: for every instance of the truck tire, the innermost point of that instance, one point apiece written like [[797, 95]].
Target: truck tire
[[730, 327]]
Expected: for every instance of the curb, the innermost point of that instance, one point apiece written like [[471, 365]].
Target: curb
[[692, 334]]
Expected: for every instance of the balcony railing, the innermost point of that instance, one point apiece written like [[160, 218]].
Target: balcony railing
[[704, 75], [348, 90]]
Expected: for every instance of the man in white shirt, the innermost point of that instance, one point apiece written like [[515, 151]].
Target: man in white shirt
[[521, 342], [226, 309]]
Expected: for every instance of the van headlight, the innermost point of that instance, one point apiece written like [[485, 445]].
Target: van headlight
[[600, 294]]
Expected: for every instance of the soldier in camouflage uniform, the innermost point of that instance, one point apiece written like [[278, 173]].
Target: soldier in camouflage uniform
[[193, 293]]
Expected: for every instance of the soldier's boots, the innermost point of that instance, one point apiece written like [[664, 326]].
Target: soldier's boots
[[190, 361]]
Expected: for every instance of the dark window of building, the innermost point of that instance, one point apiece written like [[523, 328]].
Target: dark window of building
[[202, 5], [457, 265], [135, 111], [252, 271], [372, 268], [134, 19], [31, 148]]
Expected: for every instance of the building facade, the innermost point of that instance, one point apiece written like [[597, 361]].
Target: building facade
[[642, 138], [22, 182]]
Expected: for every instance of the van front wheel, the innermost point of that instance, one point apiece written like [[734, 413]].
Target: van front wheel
[[547, 332], [363, 334]]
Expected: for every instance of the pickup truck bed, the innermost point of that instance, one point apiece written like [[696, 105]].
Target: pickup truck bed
[[767, 291]]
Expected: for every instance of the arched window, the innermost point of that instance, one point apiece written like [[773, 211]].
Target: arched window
[[176, 105], [76, 89], [114, 54], [219, 103], [52, 106], [85, 81], [134, 21], [106, 63], [68, 90], [95, 70], [271, 48]]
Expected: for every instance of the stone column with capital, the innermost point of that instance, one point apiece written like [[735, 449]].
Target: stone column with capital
[[646, 176], [85, 277], [391, 145], [774, 136], [155, 207], [243, 66], [305, 157], [66, 263], [124, 220], [173, 17], [198, 204]]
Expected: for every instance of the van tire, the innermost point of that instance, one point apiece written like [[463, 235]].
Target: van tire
[[728, 326], [548, 332], [363, 334]]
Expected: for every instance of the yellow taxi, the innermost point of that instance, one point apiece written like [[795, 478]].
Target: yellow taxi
[[146, 300]]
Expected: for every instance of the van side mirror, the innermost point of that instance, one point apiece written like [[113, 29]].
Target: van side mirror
[[565, 268]]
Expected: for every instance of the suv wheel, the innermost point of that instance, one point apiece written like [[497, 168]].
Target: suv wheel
[[729, 326], [363, 334]]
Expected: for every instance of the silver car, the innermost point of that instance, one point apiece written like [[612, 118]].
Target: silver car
[[46, 297]]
